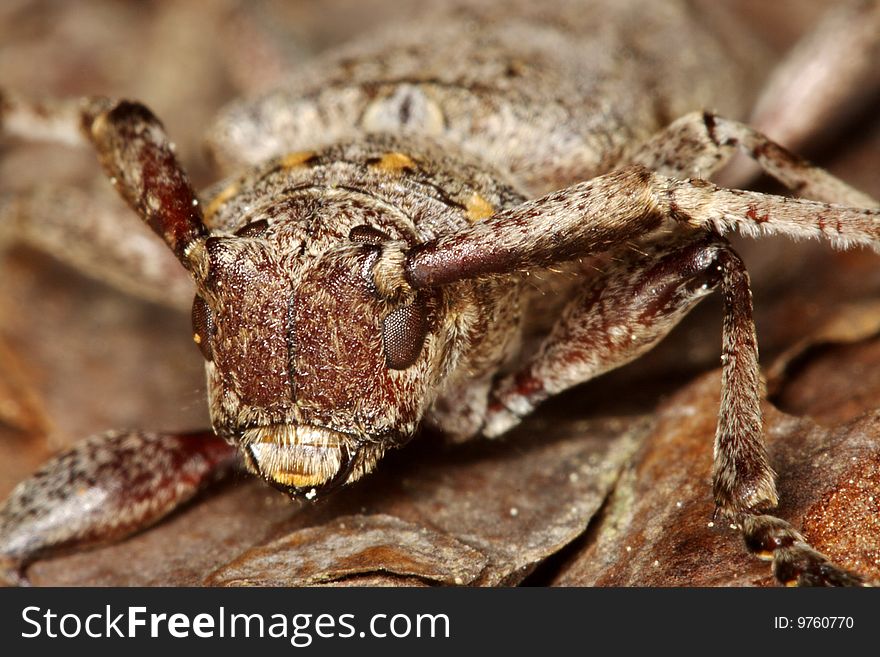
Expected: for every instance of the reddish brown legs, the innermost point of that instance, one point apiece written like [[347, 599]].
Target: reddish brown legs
[[628, 305], [105, 488]]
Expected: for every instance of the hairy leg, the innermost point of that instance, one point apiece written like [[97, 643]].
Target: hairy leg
[[625, 311], [103, 489], [628, 304], [794, 561], [699, 144]]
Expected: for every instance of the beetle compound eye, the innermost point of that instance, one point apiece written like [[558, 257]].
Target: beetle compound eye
[[403, 334], [203, 327]]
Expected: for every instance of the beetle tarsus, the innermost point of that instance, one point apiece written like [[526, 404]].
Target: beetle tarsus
[[794, 561]]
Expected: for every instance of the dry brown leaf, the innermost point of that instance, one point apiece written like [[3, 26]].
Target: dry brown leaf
[[20, 406], [352, 546], [852, 322]]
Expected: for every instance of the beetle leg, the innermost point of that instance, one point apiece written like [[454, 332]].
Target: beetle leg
[[103, 489], [625, 308], [623, 314], [795, 562], [460, 411], [699, 144]]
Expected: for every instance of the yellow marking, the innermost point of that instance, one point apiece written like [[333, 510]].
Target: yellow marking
[[99, 124], [197, 338], [765, 555], [298, 480], [791, 583], [394, 162], [294, 160], [478, 208], [218, 201]]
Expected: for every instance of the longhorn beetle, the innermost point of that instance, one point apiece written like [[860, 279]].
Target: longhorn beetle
[[361, 269]]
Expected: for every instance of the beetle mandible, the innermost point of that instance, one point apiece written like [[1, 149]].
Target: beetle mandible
[[361, 269]]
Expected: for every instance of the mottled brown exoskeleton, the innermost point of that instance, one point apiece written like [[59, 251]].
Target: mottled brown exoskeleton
[[364, 268]]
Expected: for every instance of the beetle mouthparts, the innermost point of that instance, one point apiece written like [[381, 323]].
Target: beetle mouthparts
[[300, 460]]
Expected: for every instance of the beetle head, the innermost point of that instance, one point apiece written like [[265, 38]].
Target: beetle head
[[311, 371]]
